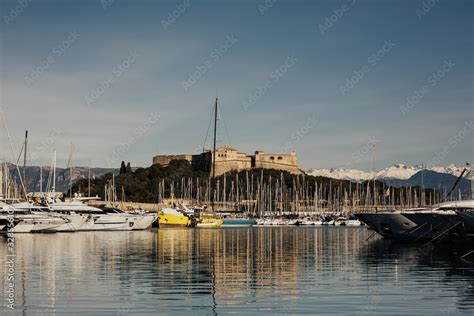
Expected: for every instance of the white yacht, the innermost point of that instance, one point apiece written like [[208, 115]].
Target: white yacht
[[87, 218], [311, 222], [25, 220], [340, 221], [140, 221]]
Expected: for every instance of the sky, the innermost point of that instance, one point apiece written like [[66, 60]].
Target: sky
[[113, 80]]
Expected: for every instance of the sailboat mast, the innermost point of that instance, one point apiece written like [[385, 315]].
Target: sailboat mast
[[41, 179], [54, 173], [472, 184], [214, 154], [24, 160], [89, 182], [422, 193], [374, 175]]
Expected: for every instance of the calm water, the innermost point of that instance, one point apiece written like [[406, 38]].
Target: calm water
[[236, 270]]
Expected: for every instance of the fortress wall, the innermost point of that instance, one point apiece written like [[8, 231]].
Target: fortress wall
[[224, 166], [165, 160], [228, 159]]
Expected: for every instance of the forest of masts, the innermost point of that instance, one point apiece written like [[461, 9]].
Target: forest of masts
[[260, 196]]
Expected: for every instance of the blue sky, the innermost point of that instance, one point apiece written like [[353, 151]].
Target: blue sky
[[124, 80]]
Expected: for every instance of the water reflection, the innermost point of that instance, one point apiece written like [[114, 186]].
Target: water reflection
[[237, 270], [422, 262]]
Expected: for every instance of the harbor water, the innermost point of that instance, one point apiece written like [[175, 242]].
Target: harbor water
[[245, 270]]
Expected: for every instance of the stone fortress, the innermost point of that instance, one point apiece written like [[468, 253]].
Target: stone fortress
[[229, 159]]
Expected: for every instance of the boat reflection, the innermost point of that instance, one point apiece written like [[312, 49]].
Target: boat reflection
[[236, 270]]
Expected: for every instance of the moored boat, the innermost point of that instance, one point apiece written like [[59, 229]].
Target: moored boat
[[238, 222], [170, 217], [205, 219], [25, 221]]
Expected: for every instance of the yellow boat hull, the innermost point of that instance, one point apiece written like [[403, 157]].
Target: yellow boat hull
[[170, 220], [209, 223]]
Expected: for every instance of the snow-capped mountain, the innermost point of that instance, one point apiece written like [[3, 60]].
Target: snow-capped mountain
[[399, 171]]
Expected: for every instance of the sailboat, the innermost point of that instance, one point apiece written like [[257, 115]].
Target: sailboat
[[24, 217], [204, 218], [81, 216]]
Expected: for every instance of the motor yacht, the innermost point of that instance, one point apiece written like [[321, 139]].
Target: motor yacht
[[87, 218], [451, 219], [140, 220], [26, 221]]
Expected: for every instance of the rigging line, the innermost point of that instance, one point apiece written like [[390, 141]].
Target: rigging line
[[50, 176], [21, 152], [225, 127], [13, 154], [208, 129]]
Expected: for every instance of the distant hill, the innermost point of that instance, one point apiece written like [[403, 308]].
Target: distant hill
[[442, 182], [62, 176], [441, 179]]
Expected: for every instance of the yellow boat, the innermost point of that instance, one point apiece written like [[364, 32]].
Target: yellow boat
[[170, 217], [206, 220], [209, 223]]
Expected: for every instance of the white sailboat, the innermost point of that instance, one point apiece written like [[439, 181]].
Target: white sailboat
[[82, 217]]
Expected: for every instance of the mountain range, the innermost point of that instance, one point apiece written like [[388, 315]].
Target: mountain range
[[399, 171], [441, 179], [63, 176]]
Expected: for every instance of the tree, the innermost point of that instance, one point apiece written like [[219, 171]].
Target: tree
[[129, 168], [123, 169]]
